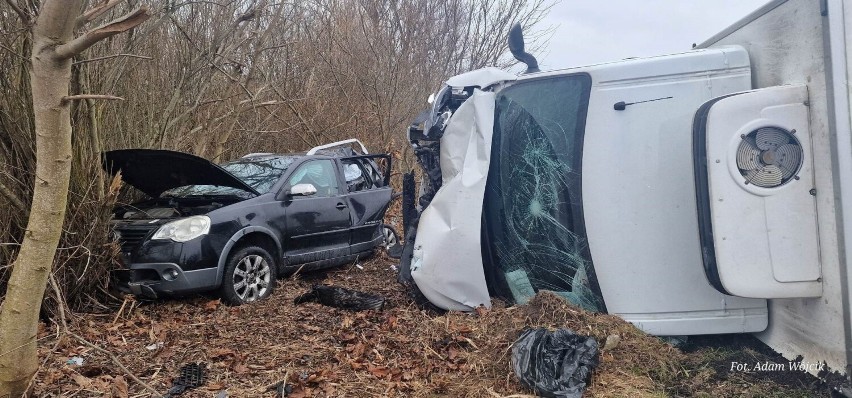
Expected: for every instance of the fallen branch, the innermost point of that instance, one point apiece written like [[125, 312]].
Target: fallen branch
[[120, 310], [113, 56], [90, 96], [116, 362]]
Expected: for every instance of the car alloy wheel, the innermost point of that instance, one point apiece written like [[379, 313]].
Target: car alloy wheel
[[249, 275], [252, 277], [390, 237]]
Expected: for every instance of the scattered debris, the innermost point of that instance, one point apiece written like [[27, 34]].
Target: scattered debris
[[611, 342], [282, 389], [192, 375], [555, 364], [76, 361], [339, 297], [401, 351], [155, 346]]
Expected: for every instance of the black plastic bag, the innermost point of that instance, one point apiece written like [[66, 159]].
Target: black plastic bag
[[554, 364]]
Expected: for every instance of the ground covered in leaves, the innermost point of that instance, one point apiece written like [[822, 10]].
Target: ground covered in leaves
[[400, 351]]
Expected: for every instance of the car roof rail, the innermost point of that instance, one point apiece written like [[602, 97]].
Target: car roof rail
[[251, 155], [315, 149]]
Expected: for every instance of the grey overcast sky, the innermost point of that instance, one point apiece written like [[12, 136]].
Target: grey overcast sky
[[593, 31]]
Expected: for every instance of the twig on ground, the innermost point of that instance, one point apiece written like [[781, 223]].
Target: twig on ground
[[116, 362], [120, 310], [295, 274], [61, 329]]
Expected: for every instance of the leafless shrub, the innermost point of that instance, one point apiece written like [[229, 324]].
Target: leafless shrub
[[221, 78]]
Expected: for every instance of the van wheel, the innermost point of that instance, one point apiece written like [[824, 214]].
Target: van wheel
[[249, 276]]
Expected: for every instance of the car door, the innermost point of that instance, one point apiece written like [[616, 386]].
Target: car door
[[368, 193], [317, 225]]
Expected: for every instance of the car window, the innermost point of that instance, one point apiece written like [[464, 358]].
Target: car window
[[357, 178], [320, 174], [260, 174]]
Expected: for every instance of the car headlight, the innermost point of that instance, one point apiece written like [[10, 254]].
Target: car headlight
[[184, 229]]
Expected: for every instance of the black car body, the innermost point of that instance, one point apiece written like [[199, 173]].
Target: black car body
[[308, 211]]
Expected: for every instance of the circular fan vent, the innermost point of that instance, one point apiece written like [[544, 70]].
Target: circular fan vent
[[769, 157]]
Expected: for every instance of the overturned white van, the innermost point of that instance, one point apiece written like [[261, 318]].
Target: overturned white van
[[697, 193]]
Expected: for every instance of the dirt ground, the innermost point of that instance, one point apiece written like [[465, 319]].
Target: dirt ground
[[400, 351]]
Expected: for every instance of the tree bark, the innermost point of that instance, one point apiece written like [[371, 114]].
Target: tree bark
[[50, 75]]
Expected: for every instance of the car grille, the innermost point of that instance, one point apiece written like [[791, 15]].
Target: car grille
[[131, 236]]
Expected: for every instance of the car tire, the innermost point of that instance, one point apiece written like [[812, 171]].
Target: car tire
[[391, 241], [250, 275], [390, 237]]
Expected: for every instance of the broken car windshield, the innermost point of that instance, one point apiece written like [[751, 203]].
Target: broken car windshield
[[534, 232], [260, 174]]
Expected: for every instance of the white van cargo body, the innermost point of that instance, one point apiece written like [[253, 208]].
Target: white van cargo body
[[706, 192]]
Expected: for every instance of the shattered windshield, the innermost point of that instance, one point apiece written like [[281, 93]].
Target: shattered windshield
[[260, 174], [533, 224]]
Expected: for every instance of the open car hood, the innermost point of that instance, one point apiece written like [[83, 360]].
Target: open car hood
[[155, 171]]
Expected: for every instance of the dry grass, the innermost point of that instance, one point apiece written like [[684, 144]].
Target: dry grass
[[327, 352]]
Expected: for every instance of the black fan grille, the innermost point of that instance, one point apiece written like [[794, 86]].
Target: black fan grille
[[769, 157]]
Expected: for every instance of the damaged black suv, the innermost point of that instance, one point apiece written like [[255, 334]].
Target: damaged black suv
[[236, 227]]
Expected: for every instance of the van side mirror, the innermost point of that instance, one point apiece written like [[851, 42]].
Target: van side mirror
[[303, 190]]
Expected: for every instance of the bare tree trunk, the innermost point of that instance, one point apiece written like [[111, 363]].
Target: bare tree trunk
[[50, 76], [53, 48]]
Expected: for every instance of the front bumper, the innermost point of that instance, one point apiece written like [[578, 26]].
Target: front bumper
[[153, 280]]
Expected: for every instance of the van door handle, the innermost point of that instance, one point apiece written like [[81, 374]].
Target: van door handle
[[341, 206]]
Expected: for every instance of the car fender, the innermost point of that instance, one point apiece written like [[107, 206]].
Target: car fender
[[220, 271]]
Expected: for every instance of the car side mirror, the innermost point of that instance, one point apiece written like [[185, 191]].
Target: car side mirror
[[303, 190]]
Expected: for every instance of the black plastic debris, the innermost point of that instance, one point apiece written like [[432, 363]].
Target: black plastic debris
[[192, 375], [554, 364], [282, 389], [409, 197], [395, 250], [339, 297]]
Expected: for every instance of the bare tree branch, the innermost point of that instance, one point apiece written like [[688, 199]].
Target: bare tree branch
[[12, 198], [21, 13], [90, 96], [123, 24], [95, 12], [113, 56]]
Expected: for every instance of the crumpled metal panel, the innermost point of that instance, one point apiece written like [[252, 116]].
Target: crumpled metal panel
[[447, 263], [481, 78]]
